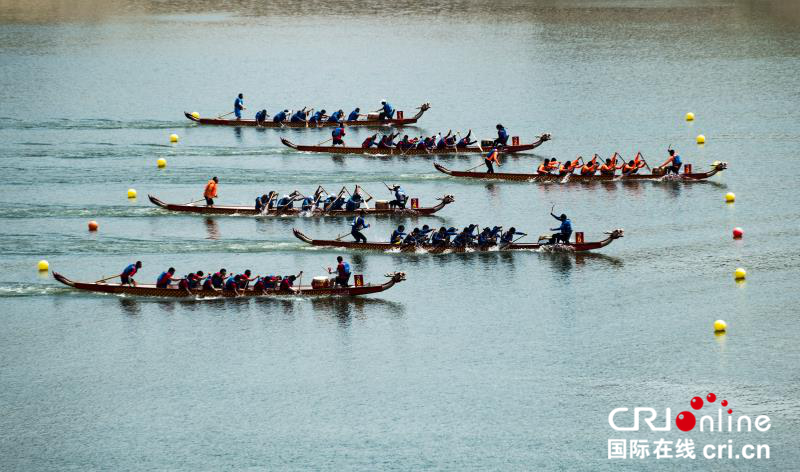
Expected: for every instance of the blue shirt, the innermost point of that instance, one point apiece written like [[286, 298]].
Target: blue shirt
[[397, 235], [230, 284], [335, 117], [130, 270], [279, 117], [317, 116], [502, 134], [298, 116], [338, 132], [238, 104], [387, 109], [676, 160], [566, 227], [353, 116], [400, 194], [358, 224]]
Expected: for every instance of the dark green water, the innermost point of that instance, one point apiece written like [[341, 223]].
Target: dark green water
[[478, 361]]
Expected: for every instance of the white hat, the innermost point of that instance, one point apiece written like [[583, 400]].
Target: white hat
[[383, 101]]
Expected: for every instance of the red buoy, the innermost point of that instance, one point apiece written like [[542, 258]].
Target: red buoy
[[93, 225], [738, 233]]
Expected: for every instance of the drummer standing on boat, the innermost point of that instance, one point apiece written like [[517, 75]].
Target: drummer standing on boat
[[210, 192], [238, 106], [357, 226]]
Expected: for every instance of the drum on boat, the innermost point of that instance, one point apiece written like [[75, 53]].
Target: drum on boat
[[381, 204], [373, 116], [320, 281]]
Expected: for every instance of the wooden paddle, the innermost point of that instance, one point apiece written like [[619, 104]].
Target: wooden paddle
[[226, 114], [323, 142], [195, 201], [107, 278]]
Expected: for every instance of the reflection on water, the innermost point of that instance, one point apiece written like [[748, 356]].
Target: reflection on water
[[212, 228]]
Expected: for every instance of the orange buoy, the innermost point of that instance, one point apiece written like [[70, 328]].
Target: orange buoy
[[93, 225]]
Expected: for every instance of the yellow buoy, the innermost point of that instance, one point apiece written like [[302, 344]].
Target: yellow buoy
[[131, 193], [173, 138], [720, 325], [43, 265], [690, 116], [740, 274], [701, 139], [195, 115], [161, 163], [730, 197]]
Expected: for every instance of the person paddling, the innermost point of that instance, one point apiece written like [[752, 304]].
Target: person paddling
[[336, 117], [508, 236], [357, 226], [491, 159], [589, 168], [564, 230], [544, 167], [354, 115], [287, 283], [300, 116], [370, 141], [398, 235], [238, 106], [165, 278], [281, 116], [210, 192], [126, 277], [317, 117], [466, 141]]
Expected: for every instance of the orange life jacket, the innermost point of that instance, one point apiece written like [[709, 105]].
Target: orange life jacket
[[492, 157], [211, 189], [554, 165], [543, 169]]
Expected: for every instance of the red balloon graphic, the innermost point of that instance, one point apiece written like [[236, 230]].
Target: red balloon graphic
[[711, 397], [685, 421], [697, 403]]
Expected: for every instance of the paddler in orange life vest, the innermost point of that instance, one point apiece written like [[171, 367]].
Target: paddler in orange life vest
[[491, 159], [590, 167], [544, 167], [337, 135], [633, 166], [610, 167], [210, 192], [569, 167]]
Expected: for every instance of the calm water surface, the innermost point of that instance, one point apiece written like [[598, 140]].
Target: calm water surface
[[478, 361]]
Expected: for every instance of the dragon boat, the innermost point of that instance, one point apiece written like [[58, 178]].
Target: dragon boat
[[399, 120], [145, 290], [393, 151], [686, 176], [251, 211], [578, 246]]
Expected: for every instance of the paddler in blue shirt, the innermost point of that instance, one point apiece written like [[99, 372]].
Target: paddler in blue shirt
[[398, 235], [354, 115], [336, 117], [280, 117], [466, 141], [300, 116], [238, 106], [508, 236], [317, 117]]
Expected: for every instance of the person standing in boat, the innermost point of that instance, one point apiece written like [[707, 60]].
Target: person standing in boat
[[210, 192], [337, 134], [342, 272], [358, 225], [238, 106], [126, 277], [564, 230], [502, 136], [491, 159], [673, 162], [386, 111], [354, 115]]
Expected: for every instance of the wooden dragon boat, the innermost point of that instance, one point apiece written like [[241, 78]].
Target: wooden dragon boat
[[145, 290], [415, 152], [400, 120], [251, 211], [428, 248], [686, 176]]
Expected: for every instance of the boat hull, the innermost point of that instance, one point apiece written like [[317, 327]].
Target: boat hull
[[697, 176]]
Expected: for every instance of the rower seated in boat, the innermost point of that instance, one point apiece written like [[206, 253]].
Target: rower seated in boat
[[424, 233], [191, 281], [336, 117], [484, 238], [412, 238], [354, 202], [287, 283], [307, 204], [443, 140], [386, 111], [354, 115], [261, 117], [334, 203], [398, 235], [281, 116], [216, 281], [491, 159], [608, 168], [387, 141], [590, 167], [286, 202], [126, 277], [232, 285], [342, 272], [673, 163], [405, 143], [245, 279], [568, 167], [466, 141], [261, 203], [441, 238], [260, 286], [632, 167], [358, 225], [544, 167], [400, 197], [165, 278], [502, 136], [553, 165], [317, 117], [564, 230], [370, 141], [337, 135], [300, 116], [508, 236]]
